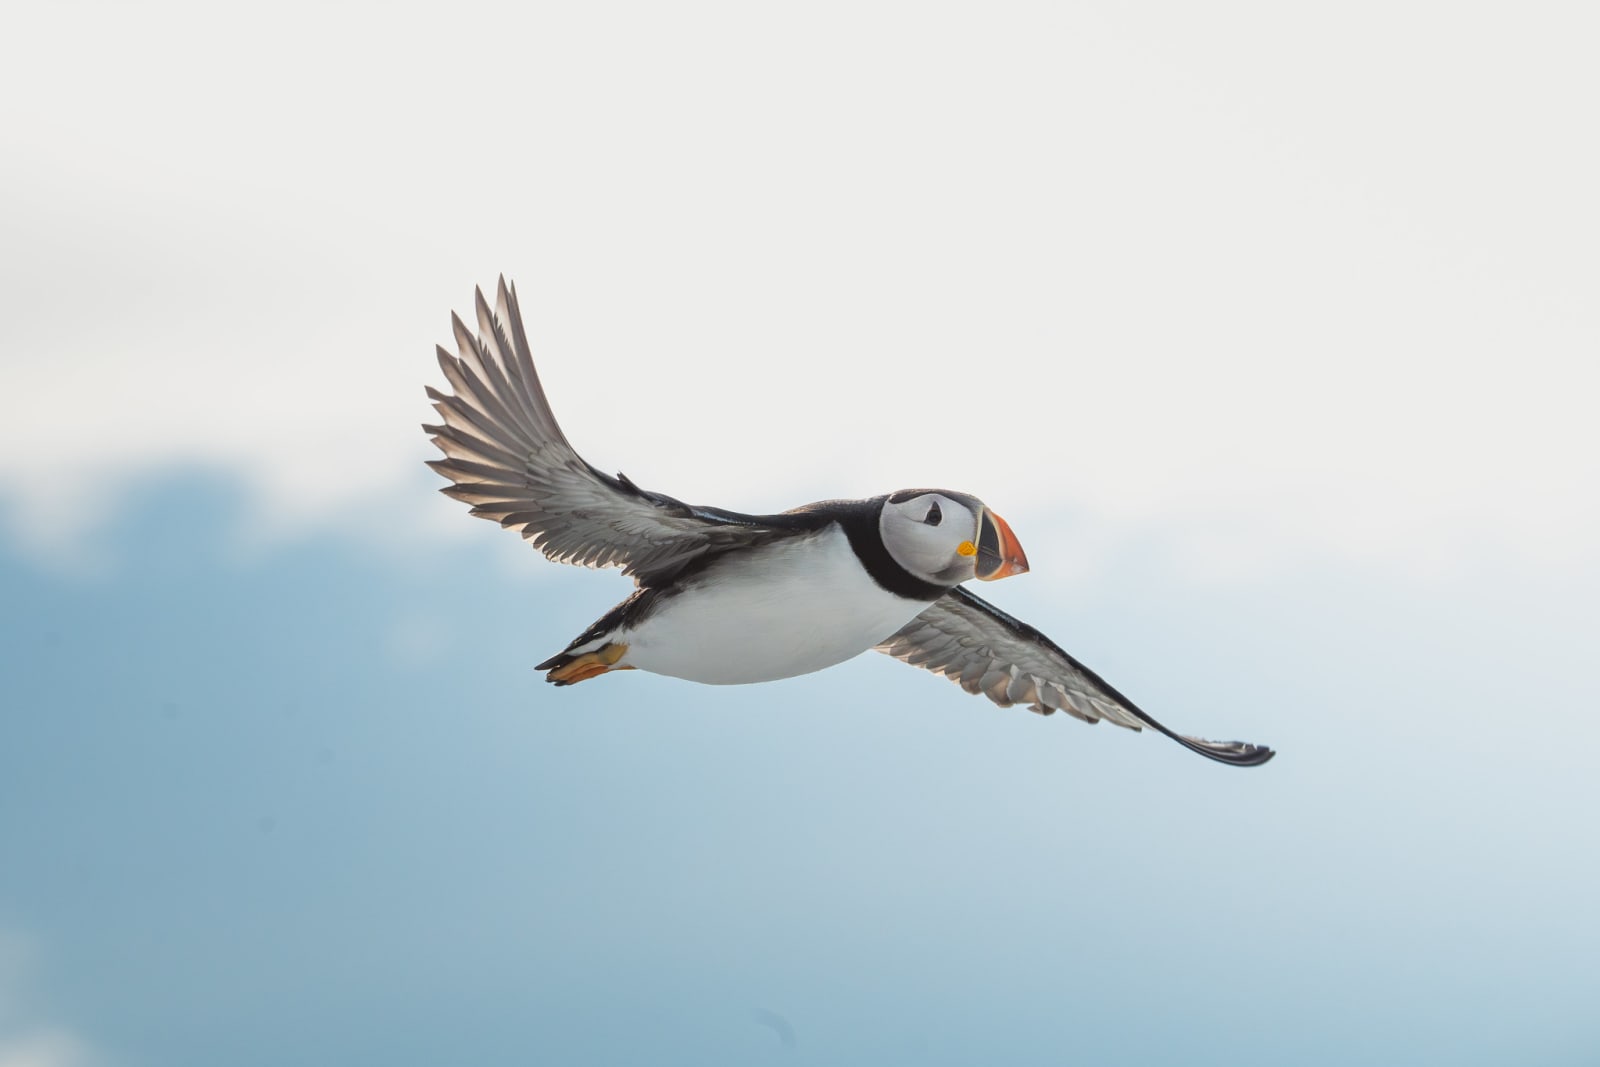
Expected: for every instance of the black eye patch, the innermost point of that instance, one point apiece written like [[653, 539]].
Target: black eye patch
[[933, 518]]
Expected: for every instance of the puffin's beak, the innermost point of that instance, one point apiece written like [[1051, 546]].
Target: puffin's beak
[[999, 554]]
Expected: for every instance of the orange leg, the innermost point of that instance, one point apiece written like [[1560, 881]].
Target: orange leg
[[589, 665]]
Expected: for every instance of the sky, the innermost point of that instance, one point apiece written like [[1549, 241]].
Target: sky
[[1270, 331]]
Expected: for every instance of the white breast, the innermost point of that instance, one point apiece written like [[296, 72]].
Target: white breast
[[786, 609]]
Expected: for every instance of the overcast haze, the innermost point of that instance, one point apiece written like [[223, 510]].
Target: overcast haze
[[1271, 332]]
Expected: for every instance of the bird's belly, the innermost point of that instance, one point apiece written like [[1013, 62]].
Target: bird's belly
[[799, 610]]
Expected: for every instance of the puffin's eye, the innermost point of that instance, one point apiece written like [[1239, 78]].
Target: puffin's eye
[[933, 517]]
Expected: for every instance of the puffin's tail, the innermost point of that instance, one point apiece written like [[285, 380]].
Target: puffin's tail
[[594, 651], [571, 667]]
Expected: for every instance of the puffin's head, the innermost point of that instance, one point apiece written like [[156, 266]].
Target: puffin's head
[[946, 538]]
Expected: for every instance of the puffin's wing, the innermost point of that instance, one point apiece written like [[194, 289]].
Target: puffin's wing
[[975, 644], [508, 458]]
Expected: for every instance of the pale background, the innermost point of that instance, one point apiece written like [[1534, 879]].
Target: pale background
[[1271, 330]]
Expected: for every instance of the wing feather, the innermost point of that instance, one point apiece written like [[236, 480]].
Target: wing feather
[[984, 650], [505, 455]]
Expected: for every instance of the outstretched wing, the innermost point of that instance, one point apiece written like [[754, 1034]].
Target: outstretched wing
[[975, 644], [507, 457]]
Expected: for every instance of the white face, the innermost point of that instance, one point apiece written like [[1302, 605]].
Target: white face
[[932, 534]]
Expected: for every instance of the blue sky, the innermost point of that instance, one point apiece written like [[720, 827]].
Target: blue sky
[[252, 817], [1270, 334]]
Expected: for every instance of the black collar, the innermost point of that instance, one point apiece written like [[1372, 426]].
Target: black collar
[[859, 520]]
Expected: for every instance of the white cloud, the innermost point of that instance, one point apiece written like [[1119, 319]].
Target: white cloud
[[26, 1040], [1271, 280], [44, 1048]]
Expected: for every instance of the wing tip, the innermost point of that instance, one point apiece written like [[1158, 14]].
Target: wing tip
[[1233, 753]]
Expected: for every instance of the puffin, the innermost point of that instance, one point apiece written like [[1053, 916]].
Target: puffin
[[727, 598]]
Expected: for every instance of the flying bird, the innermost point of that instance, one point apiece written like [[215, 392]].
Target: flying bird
[[723, 597]]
